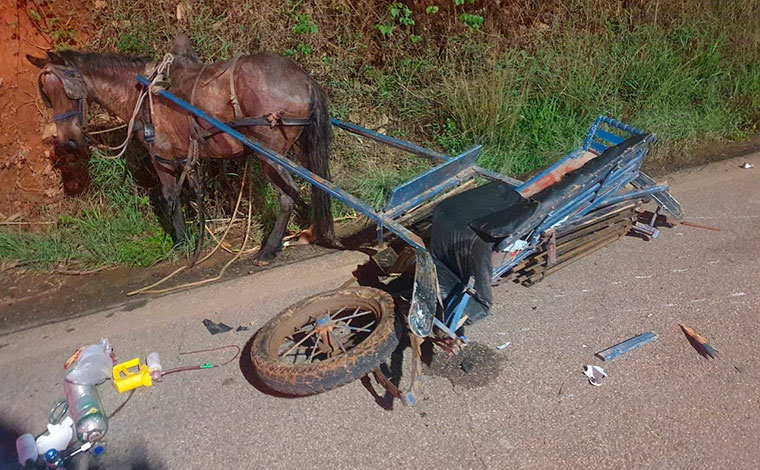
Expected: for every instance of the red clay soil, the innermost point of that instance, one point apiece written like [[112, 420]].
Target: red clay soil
[[29, 180]]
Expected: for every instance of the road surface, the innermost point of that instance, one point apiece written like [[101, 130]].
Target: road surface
[[525, 406]]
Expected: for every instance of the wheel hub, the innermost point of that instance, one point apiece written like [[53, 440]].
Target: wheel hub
[[323, 324]]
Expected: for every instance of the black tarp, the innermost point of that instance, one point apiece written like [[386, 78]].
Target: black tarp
[[458, 251], [468, 225]]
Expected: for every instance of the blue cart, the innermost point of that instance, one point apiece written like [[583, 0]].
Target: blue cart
[[452, 232]]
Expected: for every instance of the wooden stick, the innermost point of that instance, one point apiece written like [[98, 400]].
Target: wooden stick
[[706, 227]]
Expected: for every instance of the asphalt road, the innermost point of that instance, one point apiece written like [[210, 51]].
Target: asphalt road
[[526, 406]]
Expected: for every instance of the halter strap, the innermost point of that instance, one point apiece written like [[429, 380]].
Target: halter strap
[[64, 116]]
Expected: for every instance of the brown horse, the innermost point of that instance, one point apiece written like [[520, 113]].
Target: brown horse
[[261, 85]]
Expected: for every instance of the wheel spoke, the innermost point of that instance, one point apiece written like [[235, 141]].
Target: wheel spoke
[[336, 313], [316, 346], [335, 337], [365, 329], [298, 343], [304, 329], [355, 315]]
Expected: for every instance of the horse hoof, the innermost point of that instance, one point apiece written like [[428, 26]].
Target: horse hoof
[[260, 263], [264, 258], [331, 242]]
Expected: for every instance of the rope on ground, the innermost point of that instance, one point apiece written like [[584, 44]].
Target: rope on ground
[[151, 288], [224, 268]]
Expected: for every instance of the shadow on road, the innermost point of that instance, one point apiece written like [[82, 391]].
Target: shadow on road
[[249, 372]]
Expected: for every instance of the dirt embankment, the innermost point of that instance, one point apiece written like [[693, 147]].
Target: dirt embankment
[[29, 180]]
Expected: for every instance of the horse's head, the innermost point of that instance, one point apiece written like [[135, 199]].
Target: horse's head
[[63, 90]]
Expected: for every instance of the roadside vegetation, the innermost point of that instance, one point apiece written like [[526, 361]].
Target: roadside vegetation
[[524, 79]]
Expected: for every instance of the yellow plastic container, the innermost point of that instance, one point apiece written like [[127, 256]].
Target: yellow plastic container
[[131, 375]]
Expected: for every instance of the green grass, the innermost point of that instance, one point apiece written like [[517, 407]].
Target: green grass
[[114, 226], [681, 82], [688, 71]]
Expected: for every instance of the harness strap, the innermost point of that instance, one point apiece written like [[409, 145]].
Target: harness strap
[[195, 128], [171, 163], [248, 121], [233, 95]]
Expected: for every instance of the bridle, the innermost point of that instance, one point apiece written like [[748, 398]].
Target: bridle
[[73, 86]]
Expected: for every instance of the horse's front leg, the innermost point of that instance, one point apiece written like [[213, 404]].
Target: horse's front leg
[[172, 205], [286, 193]]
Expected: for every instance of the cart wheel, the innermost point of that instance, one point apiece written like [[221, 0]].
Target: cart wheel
[[325, 341]]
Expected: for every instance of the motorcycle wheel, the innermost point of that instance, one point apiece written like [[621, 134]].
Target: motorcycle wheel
[[325, 341]]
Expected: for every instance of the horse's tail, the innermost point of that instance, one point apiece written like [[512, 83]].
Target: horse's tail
[[315, 143]]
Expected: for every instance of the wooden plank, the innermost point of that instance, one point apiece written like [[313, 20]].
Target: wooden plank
[[537, 272]]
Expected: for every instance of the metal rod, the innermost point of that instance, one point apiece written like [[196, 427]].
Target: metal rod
[[298, 343], [637, 194], [417, 150], [316, 345]]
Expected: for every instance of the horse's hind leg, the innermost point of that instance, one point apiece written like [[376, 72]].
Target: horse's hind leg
[[172, 205], [286, 193]]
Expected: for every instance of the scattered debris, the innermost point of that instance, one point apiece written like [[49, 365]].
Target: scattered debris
[[216, 328], [706, 227], [626, 346], [503, 346], [747, 166], [242, 328], [699, 342], [595, 374]]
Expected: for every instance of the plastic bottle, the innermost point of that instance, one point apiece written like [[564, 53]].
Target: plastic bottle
[[154, 366], [58, 436], [26, 449], [85, 407], [93, 364]]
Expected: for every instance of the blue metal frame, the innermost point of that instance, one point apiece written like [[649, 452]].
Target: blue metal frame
[[602, 194], [451, 173], [417, 150]]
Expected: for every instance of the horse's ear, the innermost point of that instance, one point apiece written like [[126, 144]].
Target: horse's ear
[[37, 61], [181, 46], [55, 59]]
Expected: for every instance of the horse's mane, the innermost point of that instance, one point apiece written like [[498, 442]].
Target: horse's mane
[[92, 61]]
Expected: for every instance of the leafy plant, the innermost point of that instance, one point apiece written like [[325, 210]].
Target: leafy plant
[[305, 25], [399, 14], [471, 20], [431, 9], [385, 29], [302, 49]]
